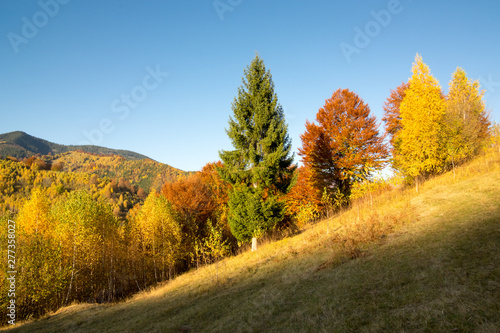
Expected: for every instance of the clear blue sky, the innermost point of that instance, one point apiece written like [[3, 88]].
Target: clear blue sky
[[67, 67]]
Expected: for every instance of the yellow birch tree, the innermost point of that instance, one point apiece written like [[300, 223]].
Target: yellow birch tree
[[159, 231], [42, 278]]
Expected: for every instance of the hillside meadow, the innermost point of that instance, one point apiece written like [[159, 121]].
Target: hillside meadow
[[401, 261]]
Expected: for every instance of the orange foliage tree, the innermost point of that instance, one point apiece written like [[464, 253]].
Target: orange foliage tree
[[198, 199], [218, 187], [392, 116], [344, 146], [192, 199], [304, 200], [219, 190]]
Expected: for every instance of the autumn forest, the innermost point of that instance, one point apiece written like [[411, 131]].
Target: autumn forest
[[97, 227]]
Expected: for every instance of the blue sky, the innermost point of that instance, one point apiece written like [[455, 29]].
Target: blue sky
[[158, 77]]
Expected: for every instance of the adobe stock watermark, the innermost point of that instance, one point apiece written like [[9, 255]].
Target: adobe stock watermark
[[372, 29], [11, 272], [223, 6], [489, 85], [30, 27], [122, 105]]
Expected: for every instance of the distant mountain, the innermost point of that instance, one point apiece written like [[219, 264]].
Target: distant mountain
[[107, 163], [20, 145]]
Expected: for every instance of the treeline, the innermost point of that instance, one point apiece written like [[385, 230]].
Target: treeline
[[429, 132], [83, 236]]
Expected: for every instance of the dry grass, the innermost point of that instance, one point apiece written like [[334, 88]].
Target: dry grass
[[408, 262]]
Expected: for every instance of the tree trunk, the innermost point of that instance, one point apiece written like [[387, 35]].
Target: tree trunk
[[254, 243], [72, 274]]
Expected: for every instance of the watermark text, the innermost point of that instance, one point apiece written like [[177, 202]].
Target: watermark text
[[223, 6], [11, 271], [30, 27], [122, 105], [372, 29]]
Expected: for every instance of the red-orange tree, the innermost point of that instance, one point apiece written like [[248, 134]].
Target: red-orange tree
[[218, 187], [392, 116], [191, 198], [303, 202], [302, 193], [344, 146], [201, 202]]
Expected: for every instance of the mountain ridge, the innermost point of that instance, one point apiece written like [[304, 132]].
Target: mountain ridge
[[20, 144], [139, 169]]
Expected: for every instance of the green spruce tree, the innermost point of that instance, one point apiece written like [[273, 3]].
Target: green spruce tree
[[260, 166]]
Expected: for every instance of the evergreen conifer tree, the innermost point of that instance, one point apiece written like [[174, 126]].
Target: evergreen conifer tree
[[260, 166]]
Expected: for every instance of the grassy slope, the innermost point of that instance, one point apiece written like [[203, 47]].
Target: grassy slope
[[409, 263]]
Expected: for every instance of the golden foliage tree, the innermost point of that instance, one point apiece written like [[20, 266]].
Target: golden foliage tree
[[158, 230], [42, 277], [466, 121], [89, 234], [419, 145]]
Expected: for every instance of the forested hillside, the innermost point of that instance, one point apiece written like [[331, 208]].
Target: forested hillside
[[142, 173], [18, 179]]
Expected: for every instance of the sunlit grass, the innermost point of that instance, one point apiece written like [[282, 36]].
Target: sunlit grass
[[400, 262]]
